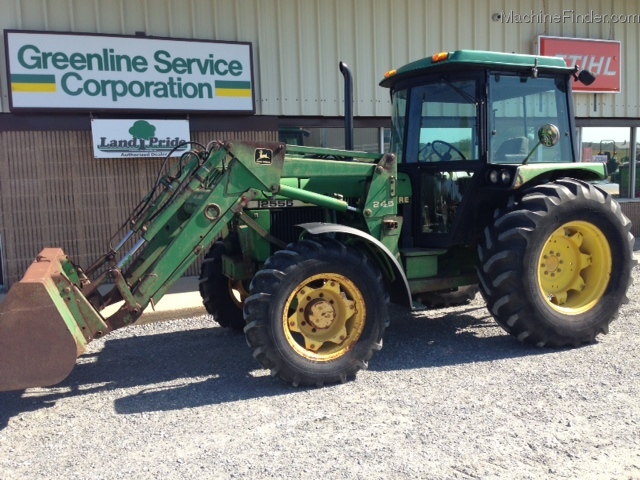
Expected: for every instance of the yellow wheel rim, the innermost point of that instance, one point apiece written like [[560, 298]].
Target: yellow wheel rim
[[575, 267], [324, 317], [238, 292]]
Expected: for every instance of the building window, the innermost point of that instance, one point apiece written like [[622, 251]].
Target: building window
[[612, 146]]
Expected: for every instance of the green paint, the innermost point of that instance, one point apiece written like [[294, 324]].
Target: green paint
[[32, 78], [233, 85], [143, 130]]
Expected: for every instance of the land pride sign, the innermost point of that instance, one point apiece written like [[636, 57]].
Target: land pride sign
[[106, 72], [114, 138]]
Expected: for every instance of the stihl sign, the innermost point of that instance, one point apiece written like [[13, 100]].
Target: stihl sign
[[601, 57]]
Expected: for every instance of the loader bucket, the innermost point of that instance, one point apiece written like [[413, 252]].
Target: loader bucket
[[39, 338]]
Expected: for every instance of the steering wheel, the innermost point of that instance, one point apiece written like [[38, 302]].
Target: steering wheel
[[443, 156]]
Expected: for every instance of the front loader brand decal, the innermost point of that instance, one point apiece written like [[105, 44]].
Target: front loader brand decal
[[139, 138], [263, 156], [89, 72]]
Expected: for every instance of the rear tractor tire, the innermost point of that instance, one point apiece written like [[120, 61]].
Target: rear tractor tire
[[316, 313], [556, 264], [223, 298]]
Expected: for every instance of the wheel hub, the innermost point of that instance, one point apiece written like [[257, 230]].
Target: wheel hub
[[551, 264], [325, 317], [574, 268], [320, 314]]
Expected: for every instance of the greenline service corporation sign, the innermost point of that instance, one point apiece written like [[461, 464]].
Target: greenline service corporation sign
[[107, 72]]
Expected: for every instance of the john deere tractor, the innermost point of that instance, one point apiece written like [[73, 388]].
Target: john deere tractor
[[305, 248]]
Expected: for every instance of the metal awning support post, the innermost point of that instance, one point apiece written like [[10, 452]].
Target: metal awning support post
[[632, 162]]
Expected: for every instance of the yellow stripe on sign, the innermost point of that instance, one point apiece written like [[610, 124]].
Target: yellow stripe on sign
[[232, 92], [34, 87]]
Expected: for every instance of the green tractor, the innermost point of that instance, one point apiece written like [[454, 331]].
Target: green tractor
[[305, 248]]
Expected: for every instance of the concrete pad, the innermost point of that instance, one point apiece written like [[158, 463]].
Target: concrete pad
[[181, 301]]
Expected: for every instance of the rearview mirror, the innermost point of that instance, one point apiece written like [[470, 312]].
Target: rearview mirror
[[549, 135], [586, 77]]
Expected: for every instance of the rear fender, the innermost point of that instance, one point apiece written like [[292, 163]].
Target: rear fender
[[400, 292], [536, 173]]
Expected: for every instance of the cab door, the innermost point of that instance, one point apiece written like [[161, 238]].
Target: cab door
[[444, 156]]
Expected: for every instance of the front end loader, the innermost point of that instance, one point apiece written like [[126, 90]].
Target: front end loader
[[48, 318], [304, 248], [218, 192]]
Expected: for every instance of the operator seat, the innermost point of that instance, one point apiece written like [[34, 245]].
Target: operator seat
[[512, 150]]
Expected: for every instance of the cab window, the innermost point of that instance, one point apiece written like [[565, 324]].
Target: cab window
[[519, 106], [449, 121]]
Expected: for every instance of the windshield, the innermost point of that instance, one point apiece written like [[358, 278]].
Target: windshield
[[519, 106]]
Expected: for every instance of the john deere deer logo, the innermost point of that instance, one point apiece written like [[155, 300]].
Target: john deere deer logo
[[263, 156]]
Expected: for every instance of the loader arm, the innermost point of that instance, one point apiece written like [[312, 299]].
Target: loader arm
[[217, 191]]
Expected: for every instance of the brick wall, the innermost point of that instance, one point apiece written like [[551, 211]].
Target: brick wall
[[631, 209]]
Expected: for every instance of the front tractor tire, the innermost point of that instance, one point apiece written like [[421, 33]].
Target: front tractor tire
[[316, 312], [556, 264], [222, 298]]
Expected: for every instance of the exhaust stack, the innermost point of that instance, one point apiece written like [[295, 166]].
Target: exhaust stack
[[348, 106]]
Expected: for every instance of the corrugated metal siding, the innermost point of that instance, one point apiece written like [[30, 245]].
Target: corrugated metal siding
[[298, 43]]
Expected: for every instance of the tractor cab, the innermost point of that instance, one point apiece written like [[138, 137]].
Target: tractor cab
[[463, 126]]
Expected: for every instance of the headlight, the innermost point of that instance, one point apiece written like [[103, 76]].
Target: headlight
[[500, 177]]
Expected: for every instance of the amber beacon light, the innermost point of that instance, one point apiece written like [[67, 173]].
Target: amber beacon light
[[440, 57]]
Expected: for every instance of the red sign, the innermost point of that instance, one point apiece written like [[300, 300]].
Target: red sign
[[601, 57]]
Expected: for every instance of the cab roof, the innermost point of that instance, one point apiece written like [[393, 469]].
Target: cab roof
[[460, 59]]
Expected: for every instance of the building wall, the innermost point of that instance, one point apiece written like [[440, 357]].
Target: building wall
[[297, 44]]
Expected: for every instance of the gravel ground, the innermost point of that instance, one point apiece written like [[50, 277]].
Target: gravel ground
[[449, 396]]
